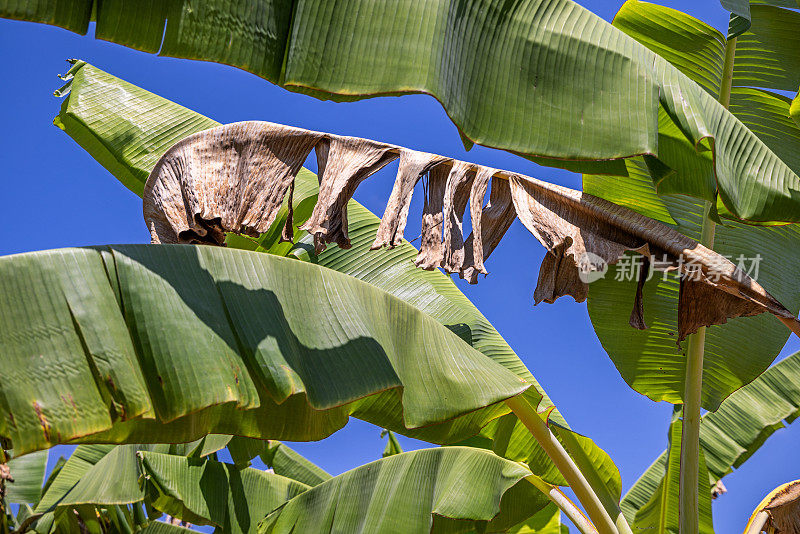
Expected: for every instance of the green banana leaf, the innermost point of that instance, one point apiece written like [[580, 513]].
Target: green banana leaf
[[732, 434], [740, 13], [114, 479], [99, 475], [447, 489], [659, 515], [282, 459], [767, 57], [794, 110], [159, 527], [82, 460], [28, 472], [153, 358], [207, 492], [202, 447], [392, 445], [129, 143], [649, 360], [768, 114], [545, 521], [767, 53], [510, 87], [287, 462], [53, 474]]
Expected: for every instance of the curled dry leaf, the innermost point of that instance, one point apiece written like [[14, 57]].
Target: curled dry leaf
[[582, 232], [234, 178], [779, 512], [343, 163]]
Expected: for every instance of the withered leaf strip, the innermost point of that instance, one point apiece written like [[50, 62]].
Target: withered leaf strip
[[430, 248], [489, 223], [456, 196], [234, 178], [413, 166], [343, 163]]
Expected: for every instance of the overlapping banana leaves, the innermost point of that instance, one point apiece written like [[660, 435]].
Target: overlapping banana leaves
[[159, 123], [736, 352], [728, 438], [505, 73], [167, 343], [94, 116], [446, 489]]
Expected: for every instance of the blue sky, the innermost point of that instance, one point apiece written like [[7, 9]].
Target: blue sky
[[56, 195]]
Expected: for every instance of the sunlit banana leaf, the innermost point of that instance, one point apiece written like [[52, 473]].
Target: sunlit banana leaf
[[766, 57], [202, 447], [287, 462], [612, 113], [160, 527], [207, 492], [740, 426], [650, 360], [28, 472], [83, 458], [252, 354], [129, 144], [767, 53], [768, 114], [392, 445], [448, 489], [794, 110], [96, 474], [114, 479], [740, 12], [545, 521]]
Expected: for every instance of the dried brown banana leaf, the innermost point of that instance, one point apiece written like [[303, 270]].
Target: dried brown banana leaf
[[234, 178], [489, 223], [779, 512], [459, 185], [582, 233], [430, 248], [413, 166], [343, 163]]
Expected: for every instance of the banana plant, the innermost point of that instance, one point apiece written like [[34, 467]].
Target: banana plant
[[539, 111], [91, 86], [131, 160], [729, 437], [129, 488], [675, 171], [715, 363]]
